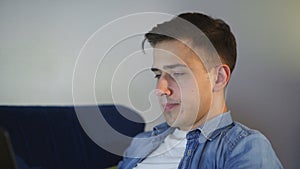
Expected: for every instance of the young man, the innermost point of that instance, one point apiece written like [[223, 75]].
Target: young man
[[194, 56]]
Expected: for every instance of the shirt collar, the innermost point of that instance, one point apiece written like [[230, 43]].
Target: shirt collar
[[209, 130], [159, 129], [213, 127]]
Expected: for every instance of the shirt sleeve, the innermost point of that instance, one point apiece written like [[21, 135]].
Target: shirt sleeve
[[253, 151]]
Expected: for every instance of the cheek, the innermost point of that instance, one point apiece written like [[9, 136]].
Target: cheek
[[190, 98], [186, 90], [177, 89]]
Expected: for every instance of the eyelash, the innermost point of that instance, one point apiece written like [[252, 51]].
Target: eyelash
[[174, 75], [157, 76], [178, 74]]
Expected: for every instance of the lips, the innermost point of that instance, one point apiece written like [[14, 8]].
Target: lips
[[170, 106]]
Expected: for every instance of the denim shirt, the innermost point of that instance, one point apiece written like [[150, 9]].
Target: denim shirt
[[219, 143]]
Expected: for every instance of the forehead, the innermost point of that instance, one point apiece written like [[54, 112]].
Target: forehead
[[174, 52]]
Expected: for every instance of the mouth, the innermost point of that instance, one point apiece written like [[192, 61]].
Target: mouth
[[169, 106]]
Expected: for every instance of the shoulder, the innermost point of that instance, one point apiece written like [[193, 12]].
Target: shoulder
[[241, 136], [239, 133], [144, 134], [249, 148], [140, 140]]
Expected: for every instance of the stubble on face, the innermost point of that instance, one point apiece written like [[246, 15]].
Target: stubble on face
[[191, 91]]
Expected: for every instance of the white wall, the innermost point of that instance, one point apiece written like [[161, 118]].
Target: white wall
[[41, 40]]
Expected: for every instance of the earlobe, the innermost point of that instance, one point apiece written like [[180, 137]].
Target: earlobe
[[222, 77]]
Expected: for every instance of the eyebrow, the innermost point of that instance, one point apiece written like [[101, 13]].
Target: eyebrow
[[169, 67]]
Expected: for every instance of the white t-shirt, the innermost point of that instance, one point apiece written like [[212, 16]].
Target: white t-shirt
[[168, 154]]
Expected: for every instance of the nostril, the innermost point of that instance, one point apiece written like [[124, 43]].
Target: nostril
[[168, 92]]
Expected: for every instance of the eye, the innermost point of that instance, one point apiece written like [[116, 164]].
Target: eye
[[178, 74]]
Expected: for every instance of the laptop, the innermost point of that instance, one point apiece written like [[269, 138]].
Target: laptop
[[7, 157]]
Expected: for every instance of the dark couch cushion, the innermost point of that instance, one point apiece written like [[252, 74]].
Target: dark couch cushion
[[51, 137]]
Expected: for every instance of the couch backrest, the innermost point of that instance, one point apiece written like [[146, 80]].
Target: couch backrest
[[51, 137]]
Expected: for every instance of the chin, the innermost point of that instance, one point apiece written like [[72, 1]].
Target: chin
[[172, 119]]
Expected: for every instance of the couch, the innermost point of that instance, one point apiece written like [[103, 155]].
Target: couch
[[51, 137]]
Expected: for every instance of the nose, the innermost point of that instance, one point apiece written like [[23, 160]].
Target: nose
[[163, 86]]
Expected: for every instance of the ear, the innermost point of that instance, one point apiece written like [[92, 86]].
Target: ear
[[222, 77]]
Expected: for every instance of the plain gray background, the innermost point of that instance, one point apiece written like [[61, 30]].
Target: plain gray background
[[41, 40]]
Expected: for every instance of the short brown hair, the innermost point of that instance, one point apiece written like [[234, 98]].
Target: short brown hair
[[216, 30]]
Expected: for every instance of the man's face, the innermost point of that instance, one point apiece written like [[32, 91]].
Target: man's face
[[183, 84]]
